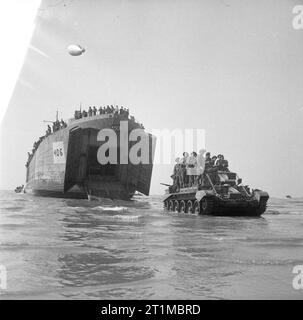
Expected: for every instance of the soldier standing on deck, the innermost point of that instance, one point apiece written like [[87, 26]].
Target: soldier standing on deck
[[63, 124], [49, 130]]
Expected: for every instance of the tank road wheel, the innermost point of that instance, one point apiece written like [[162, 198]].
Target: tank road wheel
[[196, 207], [176, 206], [170, 206], [207, 206], [189, 207], [182, 206]]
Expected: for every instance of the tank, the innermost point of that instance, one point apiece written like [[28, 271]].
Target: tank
[[219, 193]]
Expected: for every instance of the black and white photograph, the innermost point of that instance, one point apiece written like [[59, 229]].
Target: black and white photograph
[[151, 150]]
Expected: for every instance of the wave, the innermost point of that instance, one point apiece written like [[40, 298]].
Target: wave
[[115, 209], [127, 218], [13, 244], [15, 208], [73, 209], [278, 262], [289, 211], [271, 211]]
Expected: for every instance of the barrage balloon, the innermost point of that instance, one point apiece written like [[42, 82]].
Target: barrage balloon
[[75, 50]]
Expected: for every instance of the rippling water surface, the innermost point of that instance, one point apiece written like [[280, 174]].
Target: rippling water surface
[[76, 249]]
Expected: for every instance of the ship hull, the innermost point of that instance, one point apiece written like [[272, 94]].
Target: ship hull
[[66, 165], [57, 194]]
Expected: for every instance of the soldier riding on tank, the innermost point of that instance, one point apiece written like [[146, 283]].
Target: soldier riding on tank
[[217, 191]]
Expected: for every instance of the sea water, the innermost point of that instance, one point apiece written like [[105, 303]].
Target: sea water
[[79, 249]]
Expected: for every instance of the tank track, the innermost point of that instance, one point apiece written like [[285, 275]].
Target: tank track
[[262, 206], [212, 206], [191, 206]]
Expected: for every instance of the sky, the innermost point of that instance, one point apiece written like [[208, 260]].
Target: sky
[[14, 43], [231, 67]]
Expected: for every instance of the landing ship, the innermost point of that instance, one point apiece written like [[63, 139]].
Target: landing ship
[[65, 163]]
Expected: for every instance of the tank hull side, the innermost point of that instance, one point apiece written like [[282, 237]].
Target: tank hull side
[[236, 208]]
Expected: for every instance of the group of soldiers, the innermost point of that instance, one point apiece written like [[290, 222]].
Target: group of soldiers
[[121, 112], [57, 125], [191, 170], [93, 111]]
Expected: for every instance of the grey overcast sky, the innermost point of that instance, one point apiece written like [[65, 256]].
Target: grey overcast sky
[[231, 67]]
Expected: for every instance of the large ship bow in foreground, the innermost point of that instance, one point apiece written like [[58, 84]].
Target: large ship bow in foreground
[[66, 164]]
